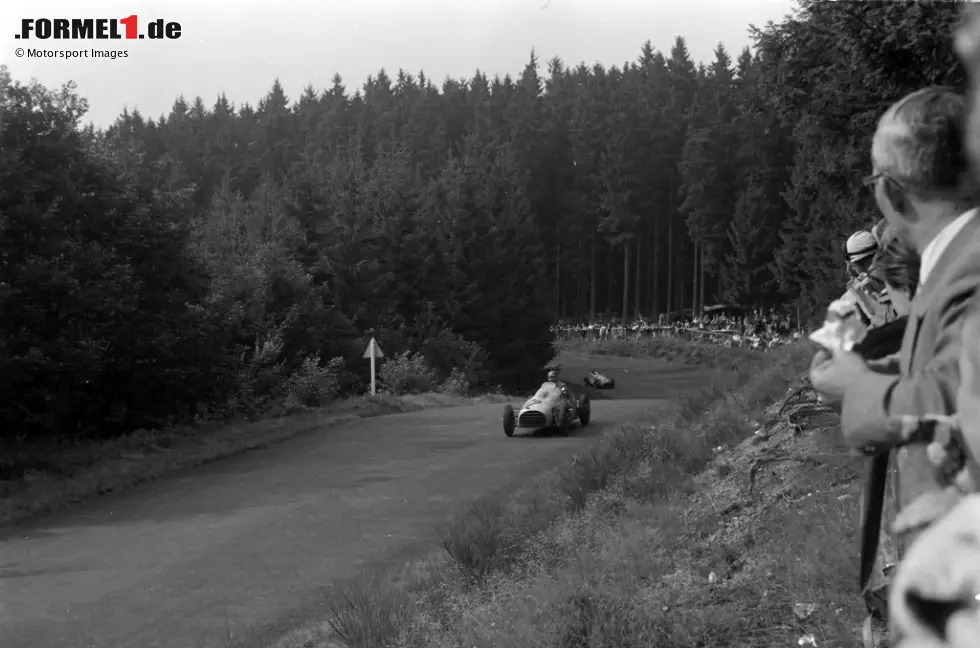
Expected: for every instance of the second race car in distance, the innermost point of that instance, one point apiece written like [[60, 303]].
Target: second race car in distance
[[598, 380]]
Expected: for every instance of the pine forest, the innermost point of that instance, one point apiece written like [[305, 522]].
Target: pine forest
[[187, 265]]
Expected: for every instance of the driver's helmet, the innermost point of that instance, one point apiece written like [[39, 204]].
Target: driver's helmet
[[552, 376]]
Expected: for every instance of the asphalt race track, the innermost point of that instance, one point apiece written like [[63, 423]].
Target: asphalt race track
[[636, 378], [246, 545]]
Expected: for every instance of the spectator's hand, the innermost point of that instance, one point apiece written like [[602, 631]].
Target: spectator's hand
[[834, 375], [819, 358]]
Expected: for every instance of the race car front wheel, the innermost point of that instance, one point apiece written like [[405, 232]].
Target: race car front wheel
[[509, 420]]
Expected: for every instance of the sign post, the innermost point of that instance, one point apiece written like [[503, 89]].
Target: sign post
[[373, 351]]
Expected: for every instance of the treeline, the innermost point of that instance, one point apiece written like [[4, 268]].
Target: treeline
[[222, 258]]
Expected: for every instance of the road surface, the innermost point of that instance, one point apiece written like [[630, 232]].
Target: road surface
[[246, 545]]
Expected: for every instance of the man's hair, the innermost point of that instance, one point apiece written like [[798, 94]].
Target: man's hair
[[920, 144], [897, 263]]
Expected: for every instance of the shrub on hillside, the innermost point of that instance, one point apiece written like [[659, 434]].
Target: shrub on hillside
[[456, 383], [265, 384], [313, 385], [260, 377], [406, 373], [444, 353], [421, 358]]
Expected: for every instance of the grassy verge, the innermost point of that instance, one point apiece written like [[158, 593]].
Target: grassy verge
[[671, 350], [691, 532], [52, 476]]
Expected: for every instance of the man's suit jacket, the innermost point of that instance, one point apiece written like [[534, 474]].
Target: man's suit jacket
[[929, 364]]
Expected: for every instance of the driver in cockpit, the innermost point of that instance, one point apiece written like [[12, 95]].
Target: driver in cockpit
[[553, 378]]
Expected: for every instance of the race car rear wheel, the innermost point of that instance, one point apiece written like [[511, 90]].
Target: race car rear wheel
[[564, 422], [585, 412], [510, 420]]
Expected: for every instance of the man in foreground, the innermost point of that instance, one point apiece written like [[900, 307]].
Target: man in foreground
[[935, 592], [923, 187]]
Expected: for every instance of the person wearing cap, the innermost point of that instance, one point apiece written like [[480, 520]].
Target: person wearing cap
[[860, 250], [863, 290]]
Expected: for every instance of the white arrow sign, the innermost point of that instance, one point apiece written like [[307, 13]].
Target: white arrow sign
[[373, 351]]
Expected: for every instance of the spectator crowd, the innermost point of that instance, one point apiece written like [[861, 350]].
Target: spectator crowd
[[720, 325], [908, 392]]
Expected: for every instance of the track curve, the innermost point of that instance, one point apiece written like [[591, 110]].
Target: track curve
[[247, 543]]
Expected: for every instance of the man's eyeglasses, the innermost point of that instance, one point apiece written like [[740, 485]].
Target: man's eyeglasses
[[872, 179]]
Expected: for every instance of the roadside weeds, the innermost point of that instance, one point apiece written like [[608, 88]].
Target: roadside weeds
[[58, 475], [649, 538]]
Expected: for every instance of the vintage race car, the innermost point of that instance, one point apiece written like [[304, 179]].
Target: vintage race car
[[552, 407], [598, 380]]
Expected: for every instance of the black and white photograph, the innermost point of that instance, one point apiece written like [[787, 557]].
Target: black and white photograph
[[503, 324]]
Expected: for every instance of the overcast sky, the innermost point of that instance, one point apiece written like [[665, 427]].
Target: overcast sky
[[240, 47]]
